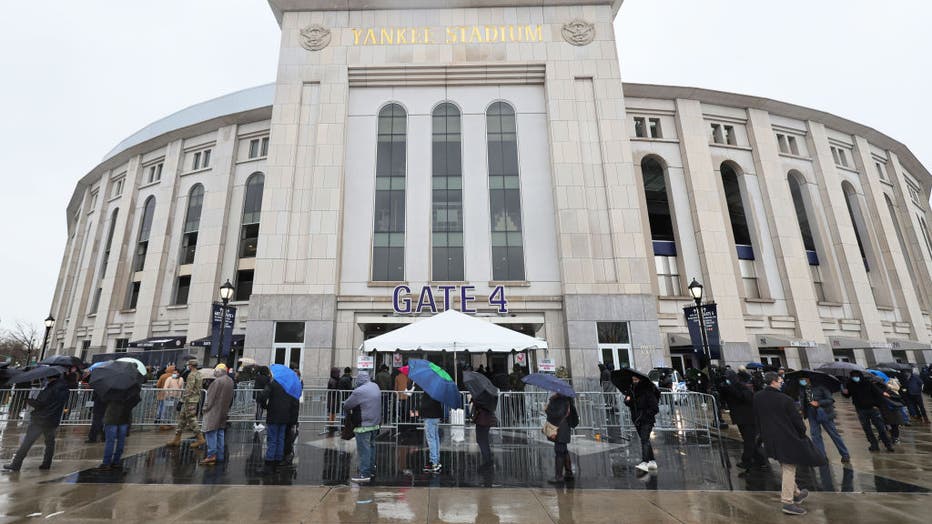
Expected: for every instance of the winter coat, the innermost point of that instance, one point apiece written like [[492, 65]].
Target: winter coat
[[49, 405], [483, 417], [333, 387], [367, 396], [346, 382], [383, 379], [401, 384], [891, 408], [120, 412], [192, 388], [914, 385], [739, 396], [783, 431], [259, 385], [167, 387], [821, 395], [217, 404], [430, 408], [277, 403], [864, 394], [561, 412], [643, 403]]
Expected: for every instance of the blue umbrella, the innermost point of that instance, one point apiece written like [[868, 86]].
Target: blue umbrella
[[754, 365], [550, 383], [880, 374], [288, 380], [435, 382]]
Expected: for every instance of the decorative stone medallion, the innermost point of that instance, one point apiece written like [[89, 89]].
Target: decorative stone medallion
[[578, 32], [315, 37]]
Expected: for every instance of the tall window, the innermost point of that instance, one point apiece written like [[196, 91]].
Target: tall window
[[388, 245], [925, 233], [142, 240], [252, 210], [853, 213], [661, 227], [802, 218], [192, 222], [899, 238], [740, 230], [106, 254], [504, 193], [447, 181]]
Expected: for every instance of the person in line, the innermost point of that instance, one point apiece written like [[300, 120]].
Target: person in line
[[279, 406], [187, 416], [384, 380], [263, 376], [738, 394], [431, 413], [117, 418], [405, 413], [216, 411], [608, 389], [333, 399], [96, 433], [561, 412], [484, 420], [818, 406], [784, 436], [913, 398], [367, 397], [170, 385], [867, 399], [643, 402], [291, 429], [891, 409], [46, 417]]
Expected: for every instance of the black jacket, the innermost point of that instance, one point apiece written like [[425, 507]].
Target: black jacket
[[120, 412], [643, 403], [740, 399], [429, 407], [259, 384], [49, 405], [561, 412], [864, 394], [783, 431], [346, 382], [280, 406]]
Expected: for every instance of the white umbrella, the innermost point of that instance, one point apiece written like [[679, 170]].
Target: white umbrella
[[139, 365]]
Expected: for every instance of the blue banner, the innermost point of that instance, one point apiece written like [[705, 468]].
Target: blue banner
[[710, 317], [216, 347]]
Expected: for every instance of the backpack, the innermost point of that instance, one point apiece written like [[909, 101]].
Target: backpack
[[351, 421]]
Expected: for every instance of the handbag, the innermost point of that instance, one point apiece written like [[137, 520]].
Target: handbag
[[351, 421], [550, 430]]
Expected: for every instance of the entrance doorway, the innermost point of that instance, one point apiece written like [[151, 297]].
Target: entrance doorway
[[773, 358], [291, 356], [843, 355]]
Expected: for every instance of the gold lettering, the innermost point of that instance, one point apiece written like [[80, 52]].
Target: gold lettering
[[475, 35], [385, 36], [356, 33], [511, 31], [491, 33], [426, 35], [530, 32], [370, 37], [462, 33], [400, 37], [451, 35]]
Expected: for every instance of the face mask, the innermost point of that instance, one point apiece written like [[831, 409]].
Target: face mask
[[802, 382], [855, 379], [174, 375]]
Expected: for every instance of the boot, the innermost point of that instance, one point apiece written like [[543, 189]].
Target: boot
[[568, 468], [198, 441], [269, 467], [175, 442], [557, 471]]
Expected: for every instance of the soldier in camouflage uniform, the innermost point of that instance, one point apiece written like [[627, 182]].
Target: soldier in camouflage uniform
[[187, 416]]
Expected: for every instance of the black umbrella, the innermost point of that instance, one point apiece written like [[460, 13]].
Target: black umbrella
[[6, 374], [899, 366], [124, 395], [484, 393], [64, 361], [115, 375], [37, 373], [840, 369], [816, 378], [621, 378]]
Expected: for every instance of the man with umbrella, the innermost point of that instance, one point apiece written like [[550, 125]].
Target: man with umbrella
[[738, 394], [867, 399], [46, 417], [187, 416], [484, 398], [814, 392]]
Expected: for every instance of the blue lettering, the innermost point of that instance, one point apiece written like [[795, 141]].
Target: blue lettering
[[397, 299], [466, 298], [426, 299], [446, 296], [497, 298]]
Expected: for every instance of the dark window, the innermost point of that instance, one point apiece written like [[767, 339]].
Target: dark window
[[613, 332], [390, 175], [85, 346], [133, 295], [192, 222], [181, 290], [739, 224], [289, 332], [106, 255], [447, 215], [142, 242], [504, 193], [852, 205], [899, 238], [121, 345], [95, 301], [801, 215], [658, 203], [640, 127], [243, 284], [252, 211]]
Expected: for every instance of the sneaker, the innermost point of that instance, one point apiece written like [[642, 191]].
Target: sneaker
[[642, 466], [793, 509], [436, 468], [359, 479], [260, 427], [803, 494], [652, 465], [103, 467], [429, 467], [10, 467]]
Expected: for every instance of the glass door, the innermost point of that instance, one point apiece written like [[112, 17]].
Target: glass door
[[617, 355]]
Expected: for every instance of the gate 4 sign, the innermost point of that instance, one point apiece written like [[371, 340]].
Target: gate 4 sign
[[403, 301]]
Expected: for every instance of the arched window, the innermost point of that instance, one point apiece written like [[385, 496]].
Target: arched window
[[504, 193], [388, 243], [805, 229], [249, 233], [447, 182], [740, 230], [103, 263], [142, 240], [899, 238], [192, 223], [854, 213], [661, 227]]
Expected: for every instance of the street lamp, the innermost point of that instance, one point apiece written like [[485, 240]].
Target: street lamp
[[49, 322], [226, 293], [695, 289]]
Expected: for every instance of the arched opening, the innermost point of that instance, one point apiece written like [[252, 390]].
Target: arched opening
[[660, 217], [740, 230], [797, 183], [447, 194], [504, 193], [388, 246]]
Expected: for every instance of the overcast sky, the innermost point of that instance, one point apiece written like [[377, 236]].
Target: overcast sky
[[78, 77]]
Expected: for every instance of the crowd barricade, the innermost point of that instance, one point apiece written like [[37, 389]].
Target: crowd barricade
[[599, 412]]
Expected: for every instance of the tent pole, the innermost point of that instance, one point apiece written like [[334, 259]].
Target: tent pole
[[455, 379]]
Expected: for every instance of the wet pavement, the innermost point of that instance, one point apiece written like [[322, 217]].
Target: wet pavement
[[693, 483]]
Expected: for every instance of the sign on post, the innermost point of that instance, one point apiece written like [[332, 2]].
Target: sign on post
[[710, 318], [546, 365], [218, 346], [364, 362]]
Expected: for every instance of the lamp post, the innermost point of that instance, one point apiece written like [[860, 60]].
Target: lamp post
[[49, 322], [226, 293], [695, 289]]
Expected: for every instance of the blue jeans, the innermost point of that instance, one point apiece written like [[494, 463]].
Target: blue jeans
[[215, 443], [275, 442], [819, 420], [116, 437], [432, 432], [365, 446], [160, 411]]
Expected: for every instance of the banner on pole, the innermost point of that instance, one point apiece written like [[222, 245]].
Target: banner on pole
[[222, 346], [710, 318]]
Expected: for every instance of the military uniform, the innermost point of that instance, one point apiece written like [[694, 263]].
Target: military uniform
[[187, 417]]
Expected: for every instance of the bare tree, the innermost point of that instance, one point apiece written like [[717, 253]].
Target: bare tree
[[21, 343]]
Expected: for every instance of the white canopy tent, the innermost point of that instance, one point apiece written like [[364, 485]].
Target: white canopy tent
[[453, 331]]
